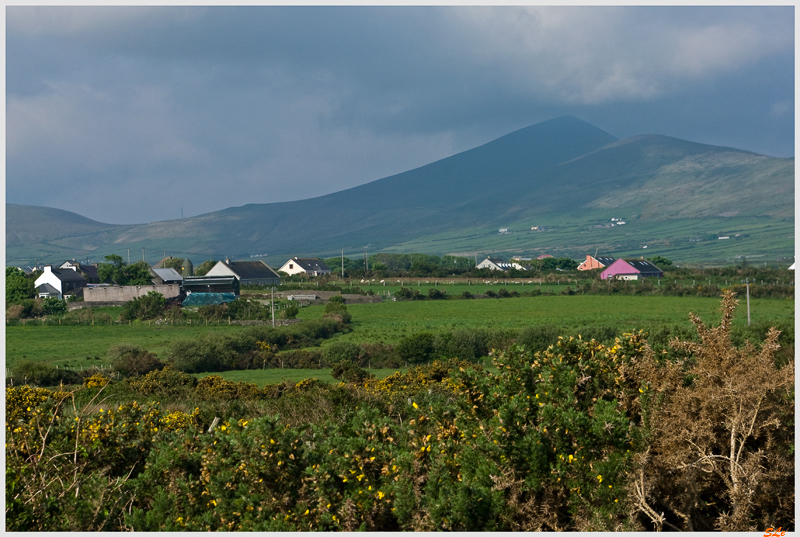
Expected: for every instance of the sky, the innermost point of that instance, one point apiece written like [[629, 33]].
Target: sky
[[139, 114]]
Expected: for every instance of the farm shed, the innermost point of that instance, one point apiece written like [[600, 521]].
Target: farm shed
[[246, 272], [211, 284]]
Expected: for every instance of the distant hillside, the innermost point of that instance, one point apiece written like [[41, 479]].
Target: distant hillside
[[563, 172]]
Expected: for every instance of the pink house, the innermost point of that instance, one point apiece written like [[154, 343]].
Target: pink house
[[634, 269]]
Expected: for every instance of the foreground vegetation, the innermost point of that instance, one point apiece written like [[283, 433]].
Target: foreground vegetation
[[579, 436]]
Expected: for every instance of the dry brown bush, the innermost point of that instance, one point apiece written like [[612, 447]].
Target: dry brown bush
[[721, 433]]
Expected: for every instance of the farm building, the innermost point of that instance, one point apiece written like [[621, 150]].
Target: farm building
[[207, 290], [246, 272], [310, 266], [599, 262], [58, 283], [166, 275], [635, 269]]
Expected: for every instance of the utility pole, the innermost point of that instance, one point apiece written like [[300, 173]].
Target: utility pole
[[747, 286], [342, 263], [272, 305], [142, 254]]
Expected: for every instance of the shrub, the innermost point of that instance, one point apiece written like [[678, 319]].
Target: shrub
[[15, 312], [42, 374], [467, 295], [416, 349], [348, 371], [201, 355], [216, 387], [53, 306], [436, 294], [406, 293], [164, 382], [341, 351], [538, 338], [244, 309], [144, 307], [290, 311], [130, 360], [212, 312]]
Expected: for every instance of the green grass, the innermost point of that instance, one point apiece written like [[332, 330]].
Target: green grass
[[262, 377], [84, 346], [390, 321], [768, 239]]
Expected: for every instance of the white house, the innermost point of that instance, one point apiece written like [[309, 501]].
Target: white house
[[310, 266], [498, 264], [58, 282]]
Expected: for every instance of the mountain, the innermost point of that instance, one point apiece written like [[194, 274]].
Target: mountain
[[563, 174]]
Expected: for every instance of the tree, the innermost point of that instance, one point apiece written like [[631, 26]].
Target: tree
[[174, 263], [416, 349], [204, 267], [18, 286], [660, 261], [117, 271], [144, 307]]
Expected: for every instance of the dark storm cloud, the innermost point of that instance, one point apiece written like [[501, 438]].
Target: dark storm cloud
[[214, 107]]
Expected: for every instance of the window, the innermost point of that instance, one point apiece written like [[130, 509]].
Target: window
[[291, 265]]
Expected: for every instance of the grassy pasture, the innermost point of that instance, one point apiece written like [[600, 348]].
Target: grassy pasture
[[262, 377], [390, 321], [77, 346]]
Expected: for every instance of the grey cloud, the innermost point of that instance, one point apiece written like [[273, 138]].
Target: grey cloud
[[292, 102]]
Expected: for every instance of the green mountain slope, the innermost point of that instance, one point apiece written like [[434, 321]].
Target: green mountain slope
[[563, 173]]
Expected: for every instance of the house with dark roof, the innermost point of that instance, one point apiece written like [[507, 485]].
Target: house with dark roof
[[309, 266], [246, 272], [89, 272], [599, 262], [631, 269], [58, 282]]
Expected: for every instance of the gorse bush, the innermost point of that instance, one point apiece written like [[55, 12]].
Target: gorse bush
[[583, 435]]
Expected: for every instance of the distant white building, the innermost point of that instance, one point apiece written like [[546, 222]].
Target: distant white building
[[58, 283], [310, 266], [498, 264]]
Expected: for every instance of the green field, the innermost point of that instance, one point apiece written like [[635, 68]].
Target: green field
[[262, 377], [85, 346]]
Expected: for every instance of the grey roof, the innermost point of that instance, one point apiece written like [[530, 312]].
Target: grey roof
[[248, 270], [47, 288], [643, 266], [311, 264], [168, 274], [605, 260], [68, 275]]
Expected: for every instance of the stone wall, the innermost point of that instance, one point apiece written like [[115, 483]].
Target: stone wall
[[121, 294]]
